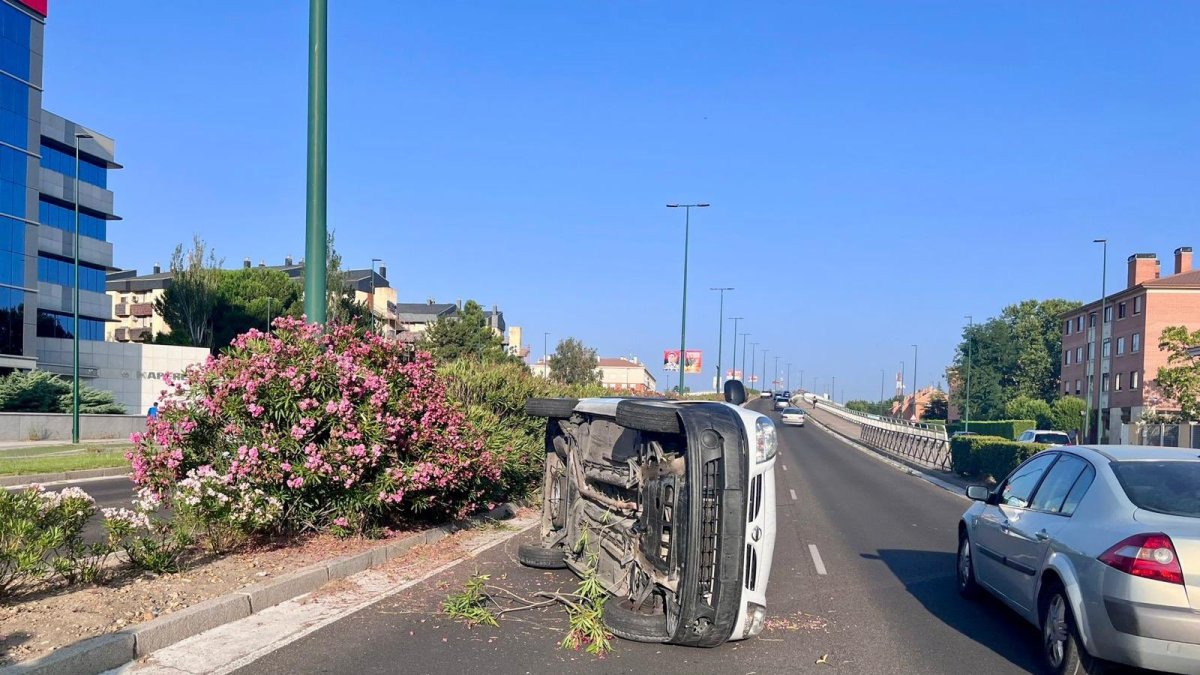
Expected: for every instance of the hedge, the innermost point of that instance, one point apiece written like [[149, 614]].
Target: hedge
[[1010, 429], [984, 456]]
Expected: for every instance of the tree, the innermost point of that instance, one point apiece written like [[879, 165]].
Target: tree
[[249, 298], [574, 363], [188, 303], [40, 391], [341, 305], [938, 408], [1016, 353], [1179, 380], [1024, 407], [1066, 414], [466, 334]]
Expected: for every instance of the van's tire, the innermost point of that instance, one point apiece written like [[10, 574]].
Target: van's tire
[[531, 555], [554, 408], [625, 623], [657, 417]]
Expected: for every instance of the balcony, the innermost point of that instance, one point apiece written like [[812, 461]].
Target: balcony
[[122, 309], [142, 309]]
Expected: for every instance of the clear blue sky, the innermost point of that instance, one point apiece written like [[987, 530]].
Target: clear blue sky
[[876, 170]]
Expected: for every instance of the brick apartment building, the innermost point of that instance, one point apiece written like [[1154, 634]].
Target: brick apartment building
[[1133, 321]]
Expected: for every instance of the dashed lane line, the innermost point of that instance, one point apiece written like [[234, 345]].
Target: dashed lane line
[[817, 562]]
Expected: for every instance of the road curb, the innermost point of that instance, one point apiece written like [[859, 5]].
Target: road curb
[[61, 476], [106, 652], [899, 466]]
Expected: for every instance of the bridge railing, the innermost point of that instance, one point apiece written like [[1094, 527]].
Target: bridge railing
[[923, 444]]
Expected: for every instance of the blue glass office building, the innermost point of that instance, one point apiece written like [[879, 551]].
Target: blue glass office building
[[37, 205]]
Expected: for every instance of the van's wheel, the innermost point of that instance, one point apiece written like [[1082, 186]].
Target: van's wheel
[[1062, 651], [624, 622], [531, 555], [554, 408], [555, 494], [649, 416]]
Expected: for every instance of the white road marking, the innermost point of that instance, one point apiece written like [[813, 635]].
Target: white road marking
[[793, 494], [816, 556]]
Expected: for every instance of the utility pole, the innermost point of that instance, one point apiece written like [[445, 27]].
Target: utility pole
[[789, 378], [1100, 425], [753, 358], [79, 135], [316, 254], [744, 375], [775, 373], [546, 352], [733, 362], [882, 380], [687, 229], [970, 340], [721, 334], [764, 370], [914, 381]]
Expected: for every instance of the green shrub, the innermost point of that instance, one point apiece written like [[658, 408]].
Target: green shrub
[[41, 534], [1067, 413], [1028, 408], [989, 456], [40, 391], [1008, 429]]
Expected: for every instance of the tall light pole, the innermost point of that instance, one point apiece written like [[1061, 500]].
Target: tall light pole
[[753, 358], [721, 333], [789, 377], [744, 336], [546, 352], [1100, 425], [764, 370], [733, 361], [687, 229], [882, 380], [775, 373], [914, 381], [833, 389], [315, 240], [970, 341], [79, 135], [373, 261]]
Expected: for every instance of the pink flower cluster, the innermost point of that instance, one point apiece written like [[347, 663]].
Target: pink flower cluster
[[338, 419]]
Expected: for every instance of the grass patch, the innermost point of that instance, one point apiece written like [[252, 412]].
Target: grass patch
[[62, 449], [90, 458]]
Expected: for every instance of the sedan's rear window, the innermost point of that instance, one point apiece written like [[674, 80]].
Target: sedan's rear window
[[793, 411], [1171, 487], [1052, 439]]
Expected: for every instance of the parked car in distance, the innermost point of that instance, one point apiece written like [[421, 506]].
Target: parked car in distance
[[792, 417], [1099, 548], [787, 394], [1044, 436], [764, 394], [963, 433], [671, 504]]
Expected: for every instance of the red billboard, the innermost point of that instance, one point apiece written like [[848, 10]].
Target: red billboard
[[692, 365], [38, 6]]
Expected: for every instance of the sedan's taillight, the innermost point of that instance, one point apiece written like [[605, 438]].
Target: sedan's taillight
[[1150, 556]]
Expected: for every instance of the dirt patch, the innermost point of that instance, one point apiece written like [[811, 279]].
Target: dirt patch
[[800, 621], [38, 623]]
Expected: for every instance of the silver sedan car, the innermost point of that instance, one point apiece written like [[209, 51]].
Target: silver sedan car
[[1099, 547]]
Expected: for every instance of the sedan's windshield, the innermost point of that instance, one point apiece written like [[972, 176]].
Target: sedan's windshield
[[793, 411], [1171, 487]]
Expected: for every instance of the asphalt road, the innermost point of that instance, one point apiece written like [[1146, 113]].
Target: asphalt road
[[886, 603]]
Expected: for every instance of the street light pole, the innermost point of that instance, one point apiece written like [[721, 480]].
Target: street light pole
[[79, 135], [764, 370], [789, 378], [753, 358], [733, 361], [546, 352], [970, 341], [316, 254], [915, 382], [373, 261], [775, 373], [721, 334], [744, 376], [687, 229], [1100, 426]]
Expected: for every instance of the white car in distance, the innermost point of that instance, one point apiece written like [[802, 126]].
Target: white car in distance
[[792, 417]]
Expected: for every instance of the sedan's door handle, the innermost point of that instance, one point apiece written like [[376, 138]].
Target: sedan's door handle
[[1004, 526], [1042, 535]]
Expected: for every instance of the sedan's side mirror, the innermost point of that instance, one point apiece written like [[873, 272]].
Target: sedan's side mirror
[[735, 392], [978, 493]]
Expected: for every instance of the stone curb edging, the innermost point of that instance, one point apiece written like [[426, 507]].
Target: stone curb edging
[[61, 476], [106, 652], [900, 466]]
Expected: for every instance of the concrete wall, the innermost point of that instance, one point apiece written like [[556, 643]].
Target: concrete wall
[[57, 427], [133, 372]]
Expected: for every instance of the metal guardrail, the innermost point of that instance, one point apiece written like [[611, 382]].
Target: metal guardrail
[[923, 444]]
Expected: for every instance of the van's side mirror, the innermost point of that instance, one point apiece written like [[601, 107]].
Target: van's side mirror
[[735, 392], [978, 493]]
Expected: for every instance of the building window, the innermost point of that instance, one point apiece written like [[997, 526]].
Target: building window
[[1078, 388], [1107, 350], [1121, 311], [1108, 314], [1137, 343], [1079, 323], [63, 218], [1135, 379], [1120, 346], [1117, 382], [1137, 305], [1091, 351], [1104, 382], [1066, 388], [63, 162], [1067, 358], [1079, 355], [1092, 320], [61, 325], [62, 272], [1067, 328]]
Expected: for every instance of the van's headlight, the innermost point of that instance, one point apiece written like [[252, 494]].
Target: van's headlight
[[764, 439], [756, 617]]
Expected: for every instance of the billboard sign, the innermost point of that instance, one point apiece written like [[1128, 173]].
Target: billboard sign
[[38, 6], [733, 374], [692, 365]]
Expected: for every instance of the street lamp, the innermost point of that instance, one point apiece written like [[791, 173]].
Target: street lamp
[[753, 348], [687, 228], [546, 353], [1100, 426], [721, 333], [764, 370], [79, 135], [789, 377], [373, 261], [970, 340], [775, 373], [915, 415], [733, 362]]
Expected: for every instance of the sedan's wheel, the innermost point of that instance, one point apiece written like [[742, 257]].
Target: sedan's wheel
[[1062, 652], [542, 558], [967, 586], [625, 623]]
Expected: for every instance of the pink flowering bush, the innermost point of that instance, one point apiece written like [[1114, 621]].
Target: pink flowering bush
[[304, 429]]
